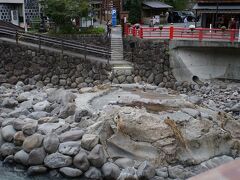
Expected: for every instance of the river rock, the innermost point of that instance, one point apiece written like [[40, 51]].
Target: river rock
[[7, 149], [57, 160], [93, 173], [48, 128], [73, 135], [89, 141], [236, 108], [128, 173], [110, 171], [81, 161], [162, 172], [124, 163], [30, 128], [19, 138], [9, 102], [32, 142], [37, 115], [36, 156], [69, 148], [67, 110], [51, 143], [35, 170], [21, 157], [19, 123], [70, 172], [97, 157], [8, 133], [145, 171], [41, 106]]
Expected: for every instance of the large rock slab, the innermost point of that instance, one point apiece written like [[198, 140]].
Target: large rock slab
[[57, 160]]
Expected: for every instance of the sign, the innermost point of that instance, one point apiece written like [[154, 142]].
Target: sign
[[114, 17]]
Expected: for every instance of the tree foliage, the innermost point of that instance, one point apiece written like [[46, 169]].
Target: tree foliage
[[134, 7], [178, 4]]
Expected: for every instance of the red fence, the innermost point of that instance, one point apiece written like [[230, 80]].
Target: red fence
[[171, 33]]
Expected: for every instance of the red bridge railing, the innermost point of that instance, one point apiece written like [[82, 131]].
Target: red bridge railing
[[178, 33]]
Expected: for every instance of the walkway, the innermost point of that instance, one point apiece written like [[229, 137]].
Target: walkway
[[117, 58]]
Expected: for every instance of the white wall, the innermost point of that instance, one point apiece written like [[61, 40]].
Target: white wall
[[12, 1]]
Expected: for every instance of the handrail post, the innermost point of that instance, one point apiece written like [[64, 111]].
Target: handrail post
[[126, 29], [200, 35], [171, 32]]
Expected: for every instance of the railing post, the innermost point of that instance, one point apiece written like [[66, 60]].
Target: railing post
[[171, 32], [232, 35], [141, 32], [200, 35], [126, 29]]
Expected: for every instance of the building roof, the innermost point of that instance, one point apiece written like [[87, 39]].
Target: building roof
[[156, 5], [214, 6]]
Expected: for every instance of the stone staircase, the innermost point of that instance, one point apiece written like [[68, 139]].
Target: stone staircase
[[117, 59]]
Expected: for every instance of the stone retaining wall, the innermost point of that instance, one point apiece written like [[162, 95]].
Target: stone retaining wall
[[27, 64], [150, 59]]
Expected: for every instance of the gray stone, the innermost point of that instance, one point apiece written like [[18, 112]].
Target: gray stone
[[124, 163], [18, 138], [9, 102], [128, 173], [57, 160], [89, 141], [195, 100], [93, 173], [37, 115], [19, 123], [145, 171], [35, 170], [30, 128], [54, 80], [110, 171], [36, 156], [7, 149], [70, 172], [150, 78], [80, 114], [48, 128], [81, 161], [21, 157], [67, 110], [51, 143], [97, 157], [236, 108], [69, 148], [32, 142], [162, 172], [8, 133], [41, 106], [192, 112], [177, 172], [73, 135]]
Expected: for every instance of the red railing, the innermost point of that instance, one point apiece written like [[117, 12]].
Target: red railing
[[172, 33]]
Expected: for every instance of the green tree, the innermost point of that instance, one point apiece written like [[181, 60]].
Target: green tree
[[178, 4], [134, 7]]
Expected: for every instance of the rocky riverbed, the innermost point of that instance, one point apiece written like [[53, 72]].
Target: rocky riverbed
[[117, 131]]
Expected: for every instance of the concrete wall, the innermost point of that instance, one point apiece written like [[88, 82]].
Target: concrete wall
[[205, 62]]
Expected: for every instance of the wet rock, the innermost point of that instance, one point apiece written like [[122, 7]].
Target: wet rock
[[18, 138], [30, 128], [128, 173], [35, 170], [41, 106], [97, 157], [70, 172], [9, 102], [21, 157], [89, 141], [93, 173], [110, 171], [9, 160], [32, 142], [124, 163], [81, 161], [8, 133], [36, 156], [145, 171], [73, 135], [69, 148], [57, 160], [51, 143], [7, 149]]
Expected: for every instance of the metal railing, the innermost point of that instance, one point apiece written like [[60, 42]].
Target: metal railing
[[62, 44], [178, 33]]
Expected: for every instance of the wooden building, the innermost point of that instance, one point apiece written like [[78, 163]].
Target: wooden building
[[218, 13]]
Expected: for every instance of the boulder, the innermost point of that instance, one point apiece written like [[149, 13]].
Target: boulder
[[37, 115], [97, 157], [57, 160], [7, 149], [70, 172], [9, 102], [73, 135], [128, 173], [67, 110], [51, 143], [93, 173], [19, 123], [8, 133], [21, 157], [35, 170], [145, 171], [36, 156], [41, 106], [48, 128], [30, 128], [69, 148], [18, 138], [81, 162], [32, 142], [110, 171], [123, 163], [80, 114], [162, 172], [89, 141]]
